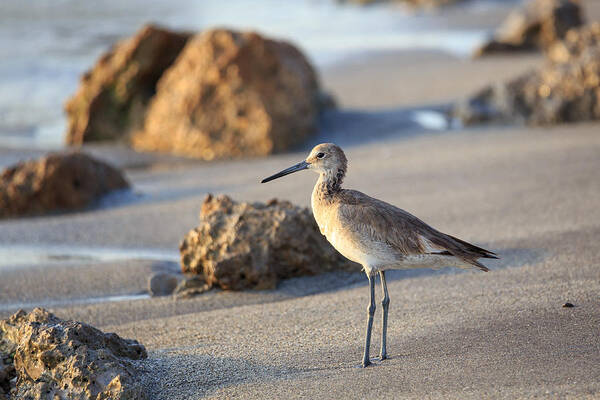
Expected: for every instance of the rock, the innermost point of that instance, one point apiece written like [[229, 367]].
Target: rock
[[536, 25], [57, 182], [575, 43], [565, 89], [191, 286], [252, 246], [54, 358], [232, 94], [162, 283], [7, 372], [568, 305], [112, 98]]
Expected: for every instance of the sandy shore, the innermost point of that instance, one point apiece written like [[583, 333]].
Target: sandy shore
[[530, 194]]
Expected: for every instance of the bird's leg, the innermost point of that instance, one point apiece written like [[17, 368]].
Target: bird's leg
[[385, 303], [371, 312]]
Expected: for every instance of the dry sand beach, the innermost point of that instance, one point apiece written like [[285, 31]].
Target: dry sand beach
[[532, 195]]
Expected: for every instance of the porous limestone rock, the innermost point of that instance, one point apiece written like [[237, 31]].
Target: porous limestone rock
[[112, 98], [575, 43], [57, 182], [54, 358], [252, 246], [536, 25], [7, 373], [565, 89], [232, 94]]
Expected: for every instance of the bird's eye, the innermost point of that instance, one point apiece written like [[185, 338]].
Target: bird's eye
[[320, 155]]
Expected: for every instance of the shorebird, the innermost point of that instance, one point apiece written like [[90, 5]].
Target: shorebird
[[375, 234]]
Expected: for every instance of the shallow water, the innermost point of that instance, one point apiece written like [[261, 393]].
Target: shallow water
[[19, 256], [70, 302], [45, 45]]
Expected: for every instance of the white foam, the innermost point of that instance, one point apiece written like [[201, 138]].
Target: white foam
[[15, 256], [433, 120]]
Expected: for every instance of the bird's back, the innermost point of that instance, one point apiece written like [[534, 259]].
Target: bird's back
[[379, 235]]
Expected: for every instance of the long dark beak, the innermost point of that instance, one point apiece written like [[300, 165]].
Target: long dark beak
[[294, 168]]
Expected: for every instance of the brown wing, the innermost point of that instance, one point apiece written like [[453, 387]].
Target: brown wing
[[379, 221], [407, 234]]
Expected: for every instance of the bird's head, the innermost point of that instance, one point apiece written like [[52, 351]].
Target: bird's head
[[325, 158]]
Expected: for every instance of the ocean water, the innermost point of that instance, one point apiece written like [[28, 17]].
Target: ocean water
[[45, 45]]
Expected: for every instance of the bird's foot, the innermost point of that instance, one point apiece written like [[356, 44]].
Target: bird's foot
[[368, 363], [383, 357]]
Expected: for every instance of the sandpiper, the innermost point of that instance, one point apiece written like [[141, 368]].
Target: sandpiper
[[375, 234]]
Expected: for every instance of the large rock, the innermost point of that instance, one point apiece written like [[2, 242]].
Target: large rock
[[58, 359], [232, 94], [252, 246], [536, 25], [565, 89], [57, 182], [112, 98]]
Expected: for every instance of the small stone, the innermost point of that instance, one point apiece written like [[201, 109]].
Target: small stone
[[190, 287], [189, 293], [162, 283], [568, 305]]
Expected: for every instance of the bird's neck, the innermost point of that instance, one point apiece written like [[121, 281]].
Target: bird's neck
[[329, 183]]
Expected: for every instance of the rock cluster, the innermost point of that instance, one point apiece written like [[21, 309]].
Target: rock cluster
[[57, 359], [252, 246], [565, 89], [57, 182], [217, 94], [232, 94], [536, 25], [112, 98]]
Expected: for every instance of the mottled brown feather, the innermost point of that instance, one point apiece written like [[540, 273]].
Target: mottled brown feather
[[384, 222]]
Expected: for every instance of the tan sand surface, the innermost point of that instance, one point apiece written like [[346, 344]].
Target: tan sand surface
[[531, 195]]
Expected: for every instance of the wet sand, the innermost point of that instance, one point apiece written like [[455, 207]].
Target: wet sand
[[530, 194]]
